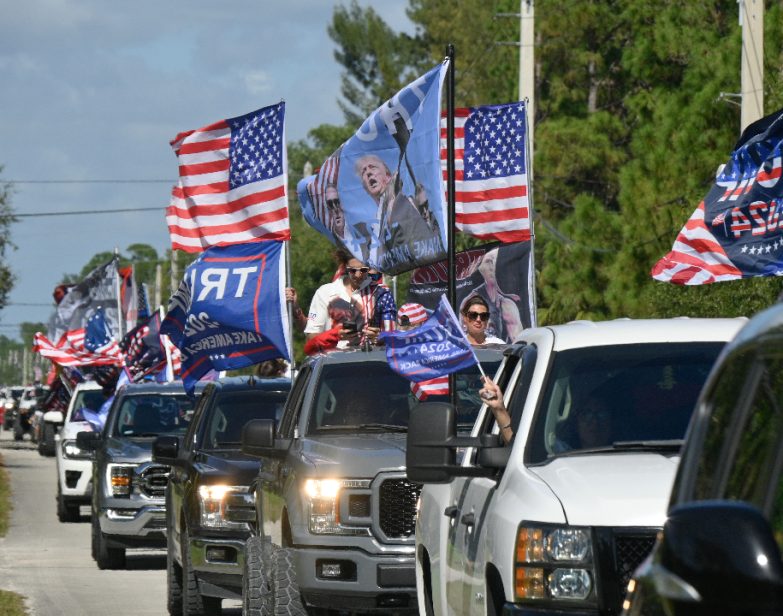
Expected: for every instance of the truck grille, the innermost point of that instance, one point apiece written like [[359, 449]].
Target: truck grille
[[153, 480], [629, 552], [397, 517]]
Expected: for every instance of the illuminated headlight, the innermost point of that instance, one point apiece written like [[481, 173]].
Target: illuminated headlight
[[225, 506], [120, 477], [321, 496], [555, 563], [9, 405], [71, 450]]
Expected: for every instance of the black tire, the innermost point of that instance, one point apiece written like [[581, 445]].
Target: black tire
[[66, 512], [287, 598], [18, 430], [173, 584], [193, 602], [46, 443], [106, 557], [256, 591]]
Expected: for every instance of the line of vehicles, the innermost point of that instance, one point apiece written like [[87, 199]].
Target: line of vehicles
[[340, 493]]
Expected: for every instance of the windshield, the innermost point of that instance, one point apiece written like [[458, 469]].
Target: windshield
[[371, 396], [153, 414], [616, 398], [233, 410], [90, 399]]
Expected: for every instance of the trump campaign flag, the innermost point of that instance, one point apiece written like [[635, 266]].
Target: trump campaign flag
[[229, 311], [380, 195], [736, 231], [233, 180], [490, 161], [434, 349]]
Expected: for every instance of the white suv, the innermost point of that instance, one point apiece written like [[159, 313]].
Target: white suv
[[556, 521], [74, 465]]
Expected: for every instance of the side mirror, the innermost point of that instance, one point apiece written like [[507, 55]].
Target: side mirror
[[724, 556], [258, 437], [429, 453], [89, 441], [165, 450]]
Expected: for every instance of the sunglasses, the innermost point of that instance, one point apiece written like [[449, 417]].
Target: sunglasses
[[332, 204], [473, 315], [357, 270]]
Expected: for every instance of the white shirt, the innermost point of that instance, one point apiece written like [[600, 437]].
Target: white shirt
[[318, 319]]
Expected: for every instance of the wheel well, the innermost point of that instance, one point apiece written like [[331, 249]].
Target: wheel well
[[426, 576], [496, 597], [287, 537]]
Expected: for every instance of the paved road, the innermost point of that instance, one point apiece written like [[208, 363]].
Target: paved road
[[50, 563]]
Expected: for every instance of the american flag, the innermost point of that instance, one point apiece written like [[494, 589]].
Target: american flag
[[438, 386], [490, 160], [70, 350], [233, 181]]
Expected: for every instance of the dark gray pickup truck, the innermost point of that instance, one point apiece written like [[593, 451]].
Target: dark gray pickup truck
[[335, 511]]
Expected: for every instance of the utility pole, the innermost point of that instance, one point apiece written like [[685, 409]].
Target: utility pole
[[527, 69], [751, 16], [158, 300]]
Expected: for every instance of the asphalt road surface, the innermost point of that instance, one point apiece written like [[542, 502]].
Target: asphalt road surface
[[49, 562]]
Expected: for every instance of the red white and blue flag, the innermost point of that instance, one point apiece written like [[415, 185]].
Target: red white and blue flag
[[736, 231], [92, 345], [233, 180], [490, 156]]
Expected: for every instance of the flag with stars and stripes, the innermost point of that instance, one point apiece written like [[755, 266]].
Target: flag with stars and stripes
[[490, 161], [72, 350], [736, 232], [233, 180]]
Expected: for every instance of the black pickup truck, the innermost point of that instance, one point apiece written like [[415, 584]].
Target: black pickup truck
[[335, 512], [209, 503]]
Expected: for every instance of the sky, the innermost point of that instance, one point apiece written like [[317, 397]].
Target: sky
[[93, 92]]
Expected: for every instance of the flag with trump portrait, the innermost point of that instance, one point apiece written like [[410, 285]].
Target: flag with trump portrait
[[380, 195], [229, 311], [233, 180], [737, 231]]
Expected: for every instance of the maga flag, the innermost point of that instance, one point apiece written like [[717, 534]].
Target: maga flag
[[490, 160], [436, 348], [380, 195], [736, 231], [233, 178], [229, 311]]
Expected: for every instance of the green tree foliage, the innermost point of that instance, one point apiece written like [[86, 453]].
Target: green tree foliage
[[7, 218]]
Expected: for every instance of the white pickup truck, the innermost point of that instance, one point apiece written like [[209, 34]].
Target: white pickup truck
[[556, 521]]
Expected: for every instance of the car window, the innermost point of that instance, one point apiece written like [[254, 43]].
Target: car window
[[151, 415], [89, 399], [607, 398], [291, 411], [352, 395], [233, 410]]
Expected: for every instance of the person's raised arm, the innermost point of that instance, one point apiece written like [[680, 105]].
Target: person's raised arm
[[493, 397]]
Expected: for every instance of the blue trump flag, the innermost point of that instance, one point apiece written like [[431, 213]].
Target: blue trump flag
[[381, 194], [229, 311], [436, 348]]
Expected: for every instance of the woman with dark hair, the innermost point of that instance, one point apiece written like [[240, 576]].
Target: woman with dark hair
[[475, 315]]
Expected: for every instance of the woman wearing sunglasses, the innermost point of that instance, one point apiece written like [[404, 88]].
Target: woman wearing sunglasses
[[475, 316]]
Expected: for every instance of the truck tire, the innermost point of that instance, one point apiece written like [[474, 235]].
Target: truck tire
[[66, 512], [18, 429], [287, 598], [256, 592], [193, 602], [105, 556], [46, 442], [173, 584]]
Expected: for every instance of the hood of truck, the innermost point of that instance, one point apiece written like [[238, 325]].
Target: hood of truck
[[356, 455], [230, 465], [618, 489], [129, 449]]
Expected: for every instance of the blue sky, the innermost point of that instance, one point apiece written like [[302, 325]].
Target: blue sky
[[94, 91]]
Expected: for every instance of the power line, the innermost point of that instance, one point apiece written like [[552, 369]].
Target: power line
[[79, 212], [88, 181]]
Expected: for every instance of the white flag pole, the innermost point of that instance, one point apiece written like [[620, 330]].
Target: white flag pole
[[167, 348]]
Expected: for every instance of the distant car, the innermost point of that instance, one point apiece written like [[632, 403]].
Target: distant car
[[210, 504], [74, 465], [14, 393], [128, 497], [719, 552]]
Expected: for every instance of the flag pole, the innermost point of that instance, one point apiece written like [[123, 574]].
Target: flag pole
[[451, 187], [117, 288], [529, 161], [289, 305], [167, 348]]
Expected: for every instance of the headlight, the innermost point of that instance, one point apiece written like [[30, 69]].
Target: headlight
[[225, 506], [555, 563], [120, 478], [71, 450], [322, 497]]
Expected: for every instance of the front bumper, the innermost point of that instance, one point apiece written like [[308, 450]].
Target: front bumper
[[513, 609], [219, 565], [135, 527], [373, 582], [75, 477]]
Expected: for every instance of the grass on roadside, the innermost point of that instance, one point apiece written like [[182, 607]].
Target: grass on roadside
[[11, 604]]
